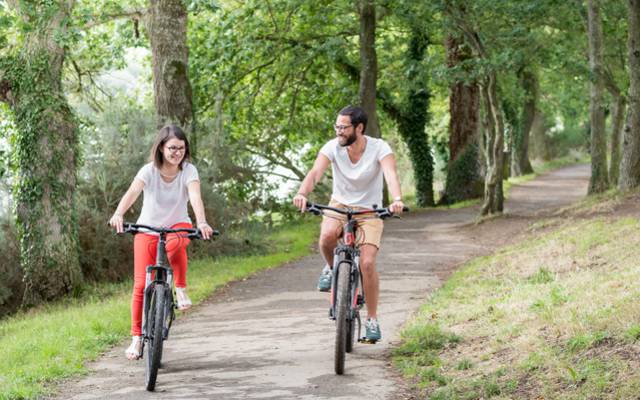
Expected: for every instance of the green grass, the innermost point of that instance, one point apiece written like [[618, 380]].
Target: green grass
[[55, 341], [556, 316]]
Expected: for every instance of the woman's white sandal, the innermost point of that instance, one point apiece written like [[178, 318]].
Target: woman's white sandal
[[134, 352], [184, 302]]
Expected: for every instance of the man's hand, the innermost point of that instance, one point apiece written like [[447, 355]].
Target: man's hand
[[396, 207], [300, 201]]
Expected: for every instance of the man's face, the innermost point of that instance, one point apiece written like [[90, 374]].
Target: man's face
[[345, 132]]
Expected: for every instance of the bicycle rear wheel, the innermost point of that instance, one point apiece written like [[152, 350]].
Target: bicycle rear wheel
[[155, 319], [342, 316]]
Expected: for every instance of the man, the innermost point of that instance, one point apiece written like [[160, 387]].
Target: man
[[358, 163]]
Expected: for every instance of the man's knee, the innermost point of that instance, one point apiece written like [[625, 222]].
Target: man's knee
[[327, 239], [368, 265]]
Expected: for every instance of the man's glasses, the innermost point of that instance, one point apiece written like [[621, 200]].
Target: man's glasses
[[175, 149], [341, 127]]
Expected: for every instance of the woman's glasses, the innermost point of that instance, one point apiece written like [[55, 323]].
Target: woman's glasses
[[176, 149]]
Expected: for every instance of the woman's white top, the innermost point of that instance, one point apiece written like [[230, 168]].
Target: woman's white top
[[358, 184], [165, 203]]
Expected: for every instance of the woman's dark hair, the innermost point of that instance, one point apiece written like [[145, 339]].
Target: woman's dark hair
[[165, 134], [357, 116]]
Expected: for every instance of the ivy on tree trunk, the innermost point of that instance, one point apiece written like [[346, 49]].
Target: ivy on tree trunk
[[520, 164], [45, 148], [599, 181], [630, 167]]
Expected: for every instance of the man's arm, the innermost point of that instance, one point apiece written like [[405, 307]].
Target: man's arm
[[311, 180], [390, 172]]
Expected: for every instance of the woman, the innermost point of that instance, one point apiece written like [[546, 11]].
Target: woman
[[169, 181]]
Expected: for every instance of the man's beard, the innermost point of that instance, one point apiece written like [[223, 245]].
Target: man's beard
[[349, 140]]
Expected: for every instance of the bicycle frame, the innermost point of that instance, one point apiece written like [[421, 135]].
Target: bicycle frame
[[352, 257]]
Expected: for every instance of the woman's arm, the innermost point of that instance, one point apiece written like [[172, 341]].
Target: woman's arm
[[130, 197], [195, 198]]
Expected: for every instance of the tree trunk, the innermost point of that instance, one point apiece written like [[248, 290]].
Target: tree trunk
[[520, 164], [493, 192], [617, 121], [540, 146], [45, 153], [368, 65], [464, 180], [167, 27], [599, 174], [413, 121], [630, 167]]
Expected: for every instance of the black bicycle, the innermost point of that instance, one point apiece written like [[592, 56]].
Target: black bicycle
[[158, 307], [347, 294]]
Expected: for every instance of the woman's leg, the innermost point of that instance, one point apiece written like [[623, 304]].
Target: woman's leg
[[144, 254], [177, 254]]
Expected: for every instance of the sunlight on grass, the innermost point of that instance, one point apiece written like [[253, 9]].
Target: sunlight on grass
[[556, 315]]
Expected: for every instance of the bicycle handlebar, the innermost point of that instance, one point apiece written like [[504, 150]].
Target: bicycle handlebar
[[382, 213], [192, 233]]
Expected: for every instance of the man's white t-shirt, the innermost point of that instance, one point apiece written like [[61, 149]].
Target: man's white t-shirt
[[358, 184], [165, 203]]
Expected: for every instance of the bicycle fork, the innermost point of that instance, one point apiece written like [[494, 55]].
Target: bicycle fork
[[149, 285]]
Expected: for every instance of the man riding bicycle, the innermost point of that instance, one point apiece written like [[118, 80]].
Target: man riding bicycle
[[358, 163]]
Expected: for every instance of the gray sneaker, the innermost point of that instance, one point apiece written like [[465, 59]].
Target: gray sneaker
[[324, 283], [372, 329]]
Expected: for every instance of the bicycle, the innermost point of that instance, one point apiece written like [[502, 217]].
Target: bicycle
[[347, 294], [158, 307]]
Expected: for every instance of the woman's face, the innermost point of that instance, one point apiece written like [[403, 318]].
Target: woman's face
[[173, 151]]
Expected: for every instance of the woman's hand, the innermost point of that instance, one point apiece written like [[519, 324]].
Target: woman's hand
[[205, 230], [117, 222]]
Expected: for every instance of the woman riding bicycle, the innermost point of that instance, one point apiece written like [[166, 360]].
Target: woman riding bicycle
[[168, 181]]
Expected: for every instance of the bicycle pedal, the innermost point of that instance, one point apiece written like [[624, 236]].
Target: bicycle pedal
[[364, 340]]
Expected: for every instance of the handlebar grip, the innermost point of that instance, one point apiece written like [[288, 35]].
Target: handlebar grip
[[405, 209]]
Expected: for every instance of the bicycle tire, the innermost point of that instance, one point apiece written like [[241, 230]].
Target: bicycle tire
[[155, 324], [351, 334], [342, 310]]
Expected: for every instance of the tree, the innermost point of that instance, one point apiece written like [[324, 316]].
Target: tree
[[494, 122], [520, 164], [630, 167], [599, 181], [45, 149], [368, 65], [167, 30], [464, 179]]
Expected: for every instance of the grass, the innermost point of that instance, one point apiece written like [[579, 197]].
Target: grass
[[55, 341], [555, 316]]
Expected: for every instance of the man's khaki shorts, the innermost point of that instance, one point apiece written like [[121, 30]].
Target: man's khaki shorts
[[369, 229]]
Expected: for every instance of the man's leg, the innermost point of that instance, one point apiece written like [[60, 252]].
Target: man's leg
[[371, 282], [329, 232]]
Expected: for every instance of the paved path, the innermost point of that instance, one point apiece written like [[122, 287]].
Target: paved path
[[269, 337]]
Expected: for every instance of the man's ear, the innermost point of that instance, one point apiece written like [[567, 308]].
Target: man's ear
[[360, 128]]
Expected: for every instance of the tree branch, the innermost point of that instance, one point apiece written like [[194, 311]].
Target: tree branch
[[97, 20]]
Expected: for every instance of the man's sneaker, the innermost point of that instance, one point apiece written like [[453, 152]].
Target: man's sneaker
[[324, 283], [372, 330]]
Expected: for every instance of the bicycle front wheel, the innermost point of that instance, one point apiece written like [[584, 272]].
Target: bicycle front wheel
[[342, 316], [155, 322]]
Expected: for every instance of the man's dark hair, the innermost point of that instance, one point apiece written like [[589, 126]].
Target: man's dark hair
[[357, 116]]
